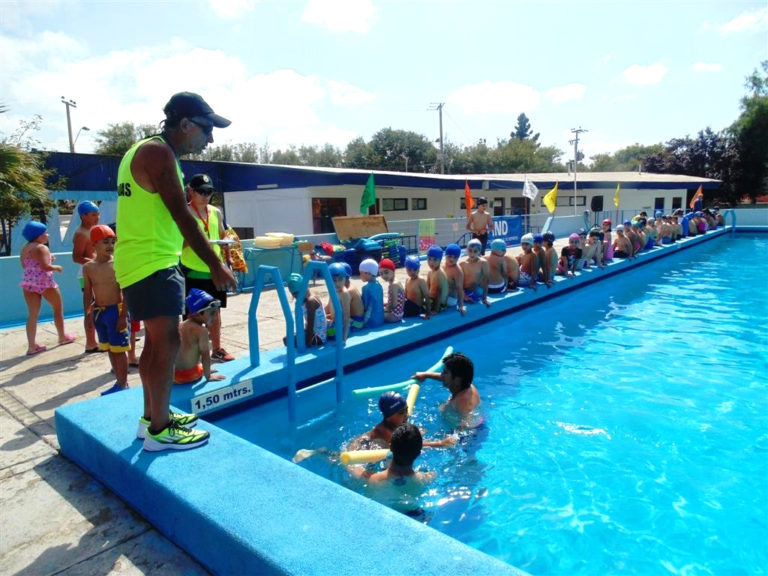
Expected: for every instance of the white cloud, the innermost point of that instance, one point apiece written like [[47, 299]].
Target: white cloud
[[489, 98], [134, 86], [340, 15], [747, 22], [706, 67], [567, 92], [343, 93], [651, 74], [231, 9]]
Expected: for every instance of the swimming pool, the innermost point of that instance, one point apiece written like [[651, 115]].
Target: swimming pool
[[627, 426]]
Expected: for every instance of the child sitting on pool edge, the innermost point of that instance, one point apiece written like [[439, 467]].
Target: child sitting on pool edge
[[193, 361], [315, 321], [393, 309], [437, 283], [416, 291], [373, 294]]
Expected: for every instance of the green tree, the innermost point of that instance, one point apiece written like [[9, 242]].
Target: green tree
[[358, 154], [23, 186], [391, 149], [523, 130], [116, 139], [624, 160], [750, 136], [517, 156]]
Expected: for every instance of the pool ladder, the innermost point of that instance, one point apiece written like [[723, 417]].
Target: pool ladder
[[294, 325]]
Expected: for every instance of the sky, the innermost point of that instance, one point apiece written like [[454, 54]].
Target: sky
[[310, 72]]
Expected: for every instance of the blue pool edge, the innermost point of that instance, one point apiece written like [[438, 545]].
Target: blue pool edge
[[240, 509]]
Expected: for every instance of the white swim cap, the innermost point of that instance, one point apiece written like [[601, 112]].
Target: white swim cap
[[527, 239], [369, 265]]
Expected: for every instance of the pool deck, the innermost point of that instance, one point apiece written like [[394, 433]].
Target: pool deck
[[90, 530]]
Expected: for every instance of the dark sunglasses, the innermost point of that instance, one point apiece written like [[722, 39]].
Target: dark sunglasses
[[203, 192], [207, 129]]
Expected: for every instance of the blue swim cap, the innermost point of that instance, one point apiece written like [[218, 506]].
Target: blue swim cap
[[498, 244], [391, 403], [627, 222], [347, 269], [548, 236], [435, 252], [412, 263], [659, 214], [538, 238], [33, 229], [453, 250], [86, 207], [337, 269], [200, 301], [294, 283]]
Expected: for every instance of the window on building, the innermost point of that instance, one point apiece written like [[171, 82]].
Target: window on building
[[677, 202], [567, 200], [658, 203], [323, 210], [394, 204], [498, 206], [418, 204]]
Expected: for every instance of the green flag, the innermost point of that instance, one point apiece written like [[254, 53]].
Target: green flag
[[369, 196]]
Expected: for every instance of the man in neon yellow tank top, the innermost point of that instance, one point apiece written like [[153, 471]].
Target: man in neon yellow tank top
[[196, 273], [153, 220]]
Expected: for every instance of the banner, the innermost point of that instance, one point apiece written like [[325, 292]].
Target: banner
[[508, 228], [426, 234]]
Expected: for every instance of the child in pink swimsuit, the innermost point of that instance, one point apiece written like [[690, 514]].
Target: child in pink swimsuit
[[38, 283]]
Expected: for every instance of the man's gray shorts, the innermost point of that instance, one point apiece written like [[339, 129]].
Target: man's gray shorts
[[159, 294]]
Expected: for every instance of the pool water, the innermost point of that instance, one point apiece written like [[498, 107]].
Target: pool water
[[626, 424]]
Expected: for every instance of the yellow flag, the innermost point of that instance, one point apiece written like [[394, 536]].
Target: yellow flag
[[550, 200], [616, 195]]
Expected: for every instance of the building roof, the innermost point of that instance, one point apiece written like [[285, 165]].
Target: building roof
[[92, 172]]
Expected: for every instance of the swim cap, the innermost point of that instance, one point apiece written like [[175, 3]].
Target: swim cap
[[475, 243], [658, 213], [453, 250], [200, 301], [607, 221], [548, 236], [574, 236], [652, 221], [412, 262], [627, 222], [33, 229], [294, 283], [347, 269], [538, 238], [594, 231], [435, 252], [337, 269], [386, 264], [527, 239], [370, 266], [620, 228], [391, 403], [86, 207], [99, 232], [499, 244], [480, 201]]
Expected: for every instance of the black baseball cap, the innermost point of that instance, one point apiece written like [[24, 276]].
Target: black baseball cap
[[201, 182], [190, 105]]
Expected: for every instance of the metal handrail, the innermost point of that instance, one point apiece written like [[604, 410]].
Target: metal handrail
[[733, 220], [253, 330], [338, 317]]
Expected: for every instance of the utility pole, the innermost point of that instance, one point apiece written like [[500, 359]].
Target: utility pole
[[575, 143], [69, 104], [439, 107]]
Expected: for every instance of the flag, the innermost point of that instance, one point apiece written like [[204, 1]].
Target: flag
[[369, 196], [616, 195], [530, 190], [468, 198], [698, 197], [550, 200]]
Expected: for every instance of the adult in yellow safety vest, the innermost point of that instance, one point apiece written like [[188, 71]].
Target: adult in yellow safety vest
[[154, 221], [196, 272]]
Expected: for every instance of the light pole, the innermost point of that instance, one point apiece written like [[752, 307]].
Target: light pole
[[439, 107], [69, 104], [575, 143], [78, 135]]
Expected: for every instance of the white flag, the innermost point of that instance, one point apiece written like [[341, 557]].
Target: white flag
[[530, 190]]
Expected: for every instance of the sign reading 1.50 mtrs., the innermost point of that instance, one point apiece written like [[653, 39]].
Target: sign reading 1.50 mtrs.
[[221, 397]]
